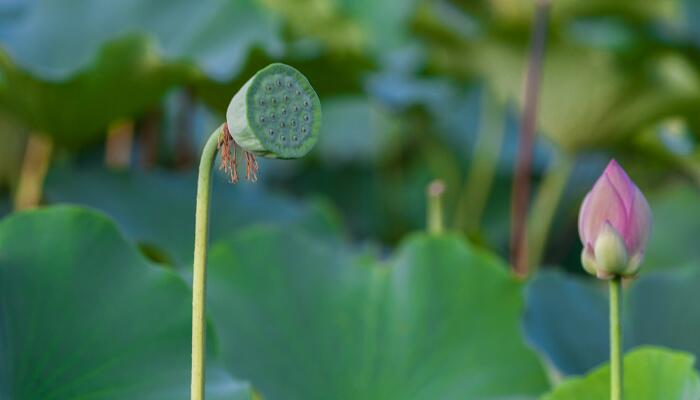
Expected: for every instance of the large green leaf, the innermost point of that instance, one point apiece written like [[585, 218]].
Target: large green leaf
[[567, 317], [567, 320], [73, 66], [304, 319], [157, 208], [650, 374], [83, 315]]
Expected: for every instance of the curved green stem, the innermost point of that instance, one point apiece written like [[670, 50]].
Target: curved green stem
[[200, 266], [544, 207], [615, 339]]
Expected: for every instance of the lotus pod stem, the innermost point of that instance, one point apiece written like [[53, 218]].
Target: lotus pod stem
[[275, 114]]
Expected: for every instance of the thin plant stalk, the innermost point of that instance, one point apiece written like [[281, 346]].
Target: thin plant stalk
[[256, 130], [544, 207], [482, 171], [435, 217], [616, 374], [521, 182], [200, 265], [35, 165]]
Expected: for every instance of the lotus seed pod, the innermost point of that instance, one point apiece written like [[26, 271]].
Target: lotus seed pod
[[276, 114], [614, 225]]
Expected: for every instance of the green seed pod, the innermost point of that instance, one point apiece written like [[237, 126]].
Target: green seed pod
[[275, 114]]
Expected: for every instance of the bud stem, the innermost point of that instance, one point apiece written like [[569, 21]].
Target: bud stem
[[435, 219], [615, 339], [200, 265]]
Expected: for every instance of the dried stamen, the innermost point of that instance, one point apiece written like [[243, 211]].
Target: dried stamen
[[251, 167], [228, 158], [228, 163]]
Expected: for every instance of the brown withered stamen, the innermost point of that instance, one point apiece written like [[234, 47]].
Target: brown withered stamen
[[227, 148], [228, 163], [251, 167]]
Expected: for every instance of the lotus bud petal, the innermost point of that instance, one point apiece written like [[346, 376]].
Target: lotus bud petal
[[614, 225]]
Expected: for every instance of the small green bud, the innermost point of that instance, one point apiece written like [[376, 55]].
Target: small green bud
[[275, 114]]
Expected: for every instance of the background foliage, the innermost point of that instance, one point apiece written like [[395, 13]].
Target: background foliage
[[335, 295]]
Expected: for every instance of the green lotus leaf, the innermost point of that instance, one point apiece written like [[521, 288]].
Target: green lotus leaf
[[650, 374], [84, 315], [71, 67], [567, 318], [156, 209], [306, 319]]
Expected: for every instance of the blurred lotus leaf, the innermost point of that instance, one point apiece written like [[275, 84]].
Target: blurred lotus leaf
[[157, 209], [86, 316], [567, 318], [439, 320], [73, 66]]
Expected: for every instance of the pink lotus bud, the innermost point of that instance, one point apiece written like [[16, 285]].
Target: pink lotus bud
[[614, 224]]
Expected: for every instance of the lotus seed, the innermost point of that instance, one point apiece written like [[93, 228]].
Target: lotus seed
[[274, 101], [306, 117], [272, 132], [293, 122], [282, 124]]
